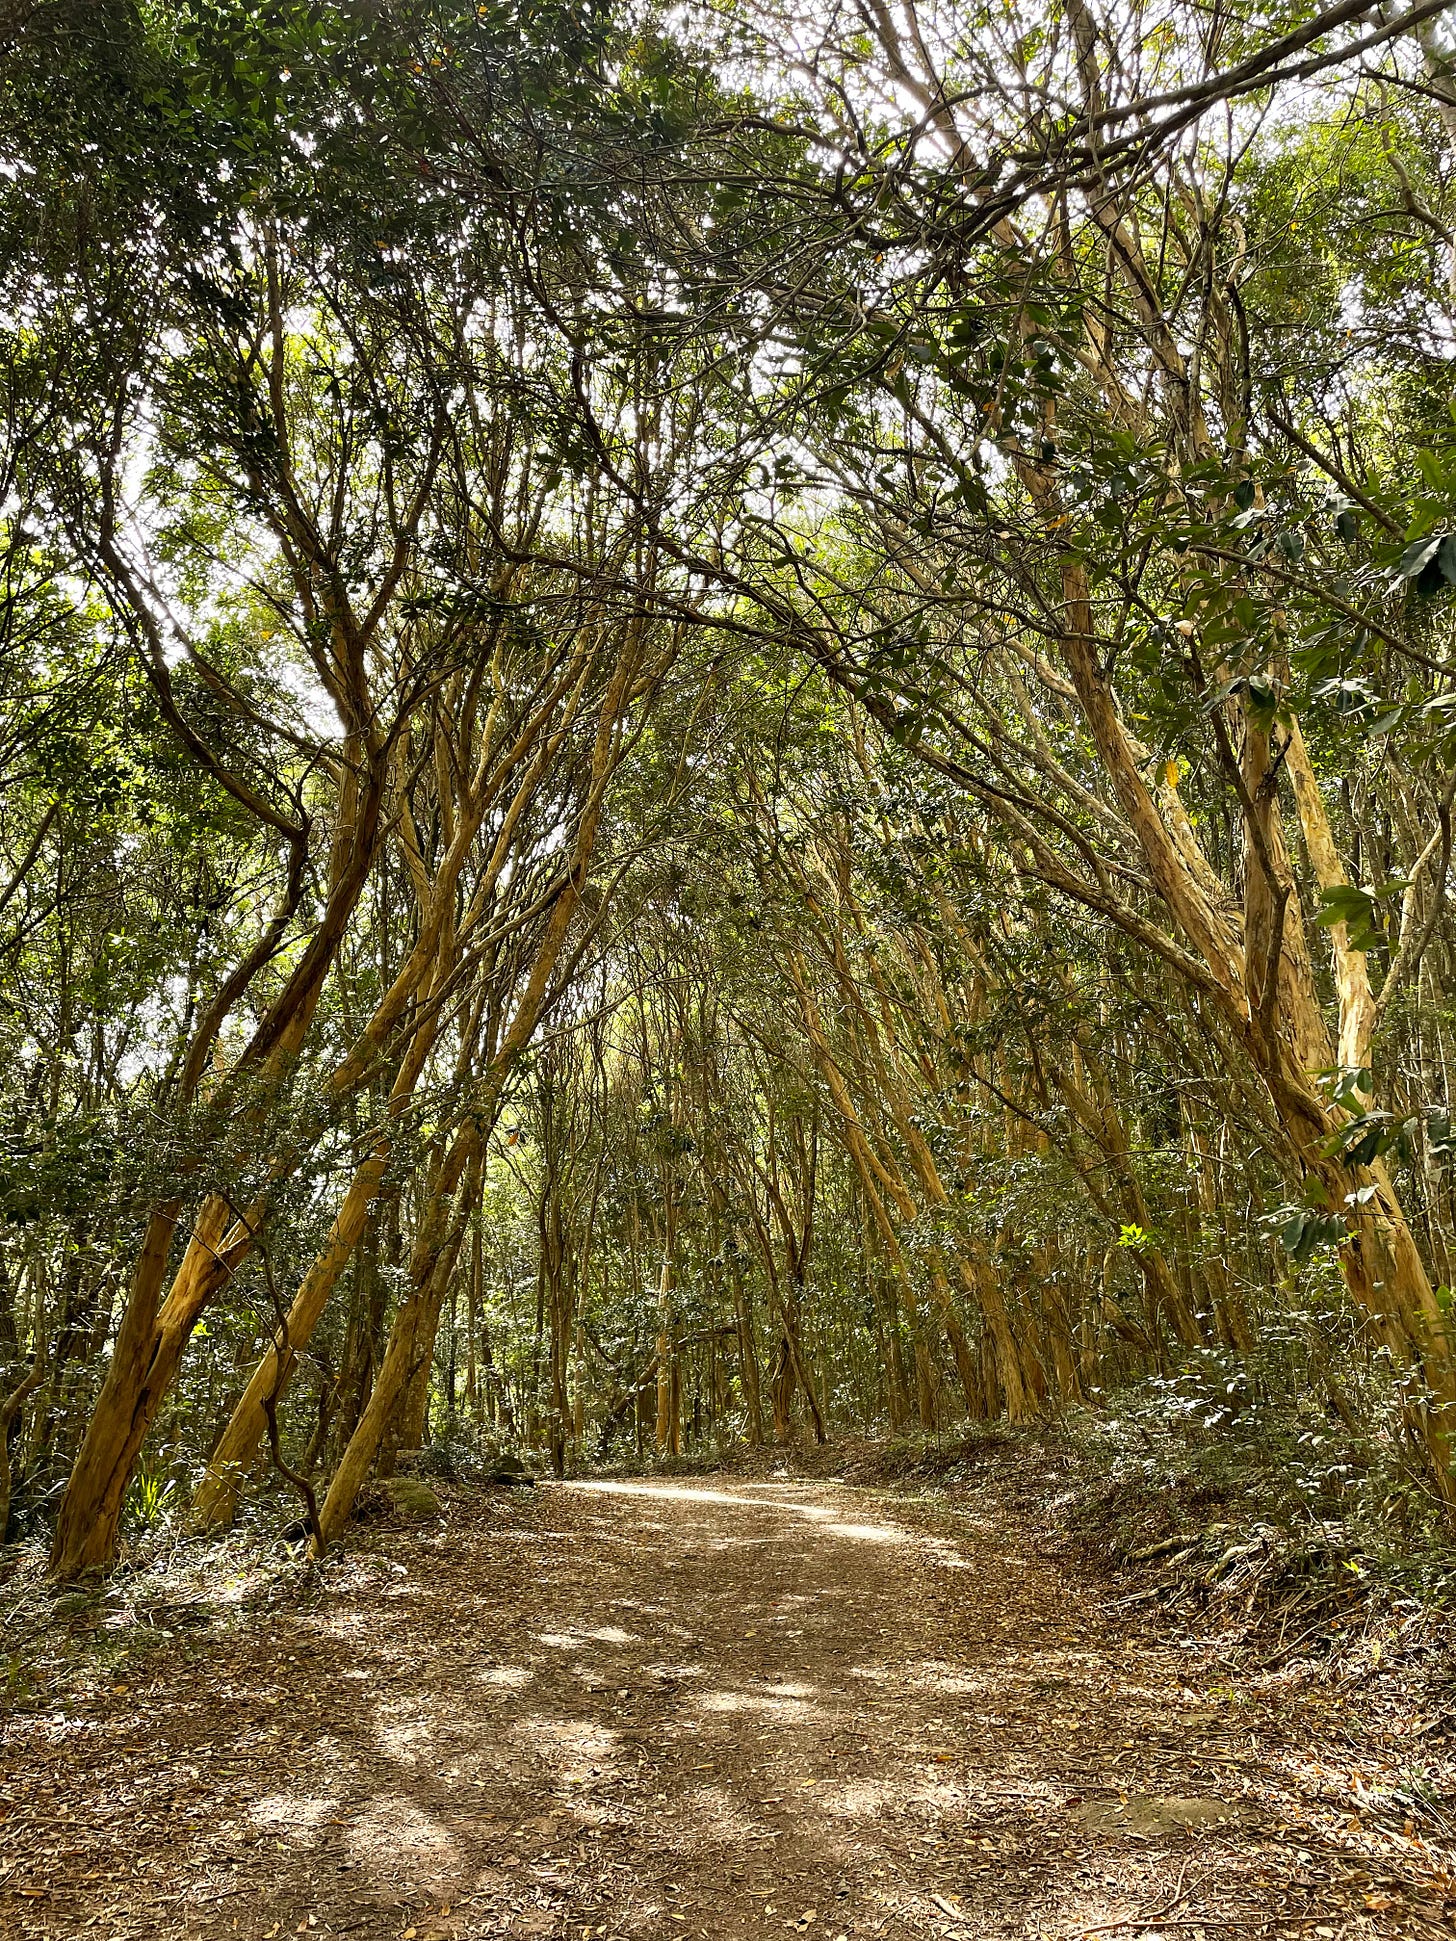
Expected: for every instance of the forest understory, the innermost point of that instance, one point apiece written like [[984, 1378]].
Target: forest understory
[[763, 1701]]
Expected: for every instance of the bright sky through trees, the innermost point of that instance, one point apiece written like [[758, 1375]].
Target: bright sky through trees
[[715, 725]]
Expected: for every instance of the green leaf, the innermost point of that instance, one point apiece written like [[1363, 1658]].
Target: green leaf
[[1291, 544], [1292, 1234], [1350, 1086], [1356, 907], [1416, 557]]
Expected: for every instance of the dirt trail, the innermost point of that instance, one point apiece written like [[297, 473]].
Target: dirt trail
[[664, 1710]]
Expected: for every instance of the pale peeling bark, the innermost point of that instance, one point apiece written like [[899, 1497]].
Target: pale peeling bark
[[217, 1495], [154, 1332], [408, 1344], [1264, 984], [1282, 998], [1352, 972], [417, 1317]]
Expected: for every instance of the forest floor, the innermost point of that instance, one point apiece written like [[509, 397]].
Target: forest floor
[[681, 1707]]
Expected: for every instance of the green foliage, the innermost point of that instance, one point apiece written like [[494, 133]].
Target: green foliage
[[371, 374]]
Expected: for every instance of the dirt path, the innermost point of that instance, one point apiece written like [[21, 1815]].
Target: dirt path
[[665, 1710]]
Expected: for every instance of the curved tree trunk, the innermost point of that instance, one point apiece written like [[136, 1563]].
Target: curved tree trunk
[[412, 1337], [154, 1333], [1263, 987], [143, 1366], [217, 1494]]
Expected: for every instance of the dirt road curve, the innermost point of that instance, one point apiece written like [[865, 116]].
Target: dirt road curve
[[678, 1709]]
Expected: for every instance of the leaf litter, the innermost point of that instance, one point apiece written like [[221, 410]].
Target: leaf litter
[[682, 1708]]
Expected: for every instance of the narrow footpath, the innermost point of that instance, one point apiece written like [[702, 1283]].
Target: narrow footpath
[[602, 1711]]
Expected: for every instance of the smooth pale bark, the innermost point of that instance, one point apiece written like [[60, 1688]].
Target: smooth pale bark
[[1381, 1261], [1352, 973], [413, 1323], [400, 1363], [560, 1317], [743, 1326], [472, 1323], [781, 1386], [216, 1498], [154, 1332], [1285, 1015], [405, 1428], [788, 1372], [747, 1361], [144, 1362], [791, 1310], [425, 969], [1281, 1029], [1204, 924]]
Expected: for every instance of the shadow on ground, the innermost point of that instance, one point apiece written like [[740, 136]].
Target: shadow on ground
[[666, 1709]]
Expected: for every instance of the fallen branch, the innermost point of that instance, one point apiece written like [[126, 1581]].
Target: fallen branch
[[1142, 1920]]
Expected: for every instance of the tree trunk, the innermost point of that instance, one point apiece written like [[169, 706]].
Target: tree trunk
[[747, 1359], [10, 1408], [412, 1338], [217, 1494], [143, 1364], [155, 1332]]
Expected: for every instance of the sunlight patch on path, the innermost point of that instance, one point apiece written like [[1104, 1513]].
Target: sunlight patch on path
[[767, 1704], [819, 1514]]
